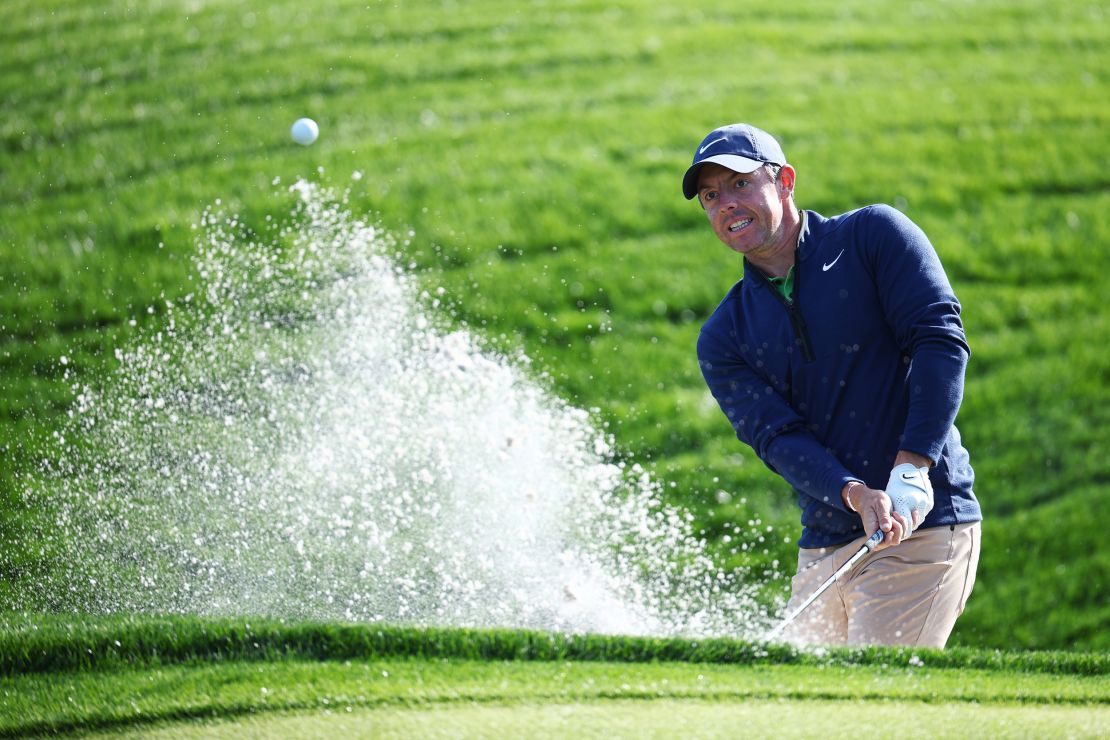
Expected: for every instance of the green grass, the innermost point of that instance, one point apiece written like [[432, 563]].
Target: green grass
[[535, 153], [659, 718], [43, 644], [463, 698], [151, 675]]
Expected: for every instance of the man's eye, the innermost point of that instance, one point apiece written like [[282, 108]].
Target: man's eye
[[709, 195]]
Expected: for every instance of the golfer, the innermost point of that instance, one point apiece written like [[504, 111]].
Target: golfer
[[839, 359]]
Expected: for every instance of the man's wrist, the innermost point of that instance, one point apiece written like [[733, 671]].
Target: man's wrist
[[913, 458], [846, 495]]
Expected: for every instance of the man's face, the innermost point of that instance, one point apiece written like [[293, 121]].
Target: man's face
[[746, 209]]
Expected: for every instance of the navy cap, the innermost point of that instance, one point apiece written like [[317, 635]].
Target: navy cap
[[740, 147]]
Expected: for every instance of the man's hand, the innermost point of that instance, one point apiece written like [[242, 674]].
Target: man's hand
[[874, 507], [911, 494]]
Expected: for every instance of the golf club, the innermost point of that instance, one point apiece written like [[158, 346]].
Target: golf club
[[867, 547]]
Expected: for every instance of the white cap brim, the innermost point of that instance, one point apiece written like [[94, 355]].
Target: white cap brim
[[733, 162]]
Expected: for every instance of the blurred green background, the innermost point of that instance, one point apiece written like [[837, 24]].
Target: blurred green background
[[534, 150]]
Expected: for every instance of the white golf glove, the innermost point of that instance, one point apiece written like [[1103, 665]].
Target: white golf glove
[[910, 492]]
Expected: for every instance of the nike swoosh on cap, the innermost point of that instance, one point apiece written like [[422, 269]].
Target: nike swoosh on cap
[[702, 150], [826, 268]]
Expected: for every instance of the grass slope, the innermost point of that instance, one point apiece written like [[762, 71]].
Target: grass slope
[[535, 152], [120, 673]]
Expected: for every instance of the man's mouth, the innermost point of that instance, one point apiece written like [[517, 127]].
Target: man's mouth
[[736, 226]]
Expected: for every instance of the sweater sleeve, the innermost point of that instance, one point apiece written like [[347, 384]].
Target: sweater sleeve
[[764, 421], [924, 314]]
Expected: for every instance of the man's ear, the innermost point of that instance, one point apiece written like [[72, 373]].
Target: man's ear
[[786, 180]]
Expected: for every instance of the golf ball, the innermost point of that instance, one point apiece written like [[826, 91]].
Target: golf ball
[[304, 131]]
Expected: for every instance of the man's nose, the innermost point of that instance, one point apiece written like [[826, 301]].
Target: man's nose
[[728, 200]]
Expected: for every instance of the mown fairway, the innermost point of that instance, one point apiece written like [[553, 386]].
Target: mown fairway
[[412, 698], [179, 676], [535, 150]]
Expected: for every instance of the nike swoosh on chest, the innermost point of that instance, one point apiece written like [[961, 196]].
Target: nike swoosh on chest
[[829, 265]]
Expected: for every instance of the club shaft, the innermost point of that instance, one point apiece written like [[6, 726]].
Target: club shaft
[[865, 548]]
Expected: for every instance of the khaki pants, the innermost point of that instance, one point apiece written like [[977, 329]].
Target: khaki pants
[[910, 594]]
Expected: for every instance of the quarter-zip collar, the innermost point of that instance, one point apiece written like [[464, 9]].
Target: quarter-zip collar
[[760, 278]]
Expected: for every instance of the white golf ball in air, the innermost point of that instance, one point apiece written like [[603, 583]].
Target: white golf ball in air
[[304, 131]]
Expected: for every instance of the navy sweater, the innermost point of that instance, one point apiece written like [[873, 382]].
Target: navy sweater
[[867, 360]]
